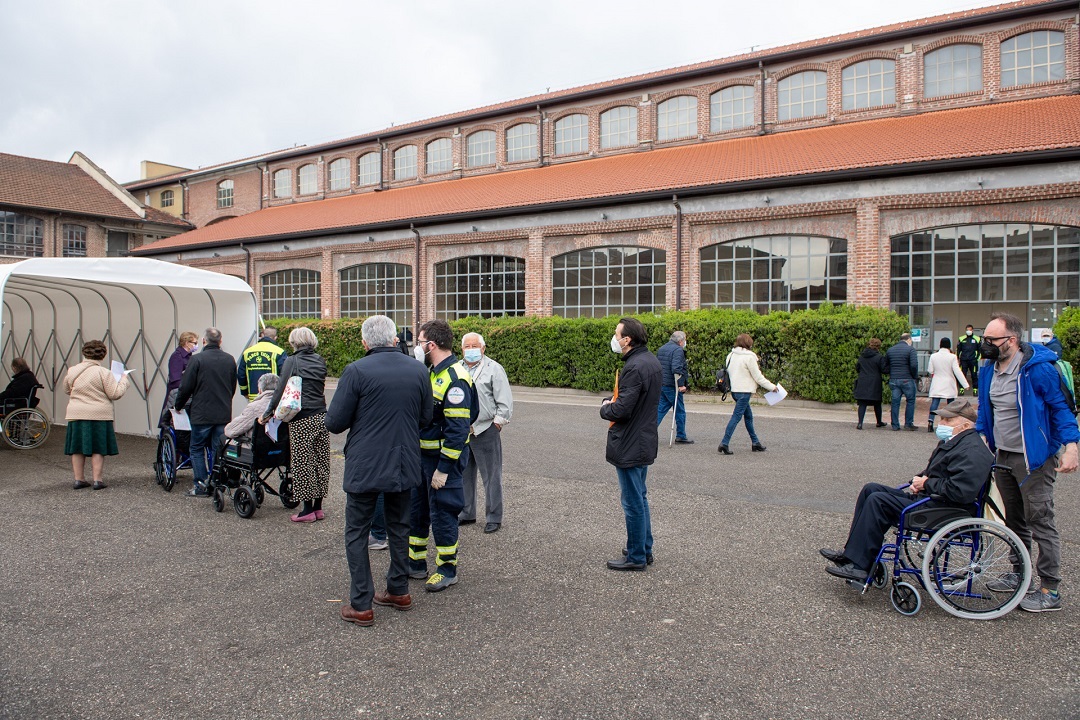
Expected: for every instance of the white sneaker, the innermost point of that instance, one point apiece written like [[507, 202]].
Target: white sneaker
[[374, 543]]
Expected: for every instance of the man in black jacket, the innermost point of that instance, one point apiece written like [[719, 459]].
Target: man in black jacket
[[903, 369], [632, 439], [209, 382], [382, 399], [672, 358], [958, 469]]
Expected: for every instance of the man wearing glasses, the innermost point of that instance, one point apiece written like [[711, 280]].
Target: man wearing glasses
[[1025, 419]]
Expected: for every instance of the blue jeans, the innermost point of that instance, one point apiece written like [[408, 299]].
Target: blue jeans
[[635, 503], [201, 437], [742, 411], [669, 396], [378, 520], [934, 403], [907, 389]]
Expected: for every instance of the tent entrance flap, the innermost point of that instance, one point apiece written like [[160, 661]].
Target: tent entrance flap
[[138, 307]]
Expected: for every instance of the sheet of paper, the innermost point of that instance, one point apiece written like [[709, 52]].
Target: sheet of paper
[[776, 395], [180, 420], [117, 369], [272, 428]]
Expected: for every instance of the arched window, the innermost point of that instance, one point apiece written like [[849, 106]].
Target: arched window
[[731, 108], [283, 183], [21, 235], [676, 118], [225, 194], [618, 127], [308, 179], [440, 156], [572, 135], [378, 289], [952, 69], [608, 280], [521, 143], [166, 198], [774, 272], [480, 148], [867, 84], [339, 174], [369, 169], [484, 285], [1033, 57], [292, 294], [74, 240], [405, 163], [801, 95]]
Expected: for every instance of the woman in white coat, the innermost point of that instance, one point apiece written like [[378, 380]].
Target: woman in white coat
[[944, 369], [746, 378]]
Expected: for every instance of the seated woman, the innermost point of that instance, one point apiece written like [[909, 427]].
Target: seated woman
[[957, 471], [243, 423], [21, 387]]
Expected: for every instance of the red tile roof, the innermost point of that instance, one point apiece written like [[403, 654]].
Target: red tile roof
[[991, 130]]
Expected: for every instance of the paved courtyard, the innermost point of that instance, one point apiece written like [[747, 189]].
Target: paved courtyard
[[134, 603]]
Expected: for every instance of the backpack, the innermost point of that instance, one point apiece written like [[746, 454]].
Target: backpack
[[1065, 376], [723, 381]]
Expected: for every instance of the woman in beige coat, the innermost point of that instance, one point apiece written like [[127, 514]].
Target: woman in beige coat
[[746, 378], [92, 388]]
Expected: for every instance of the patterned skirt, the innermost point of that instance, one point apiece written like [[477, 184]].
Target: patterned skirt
[[90, 437], [309, 445]]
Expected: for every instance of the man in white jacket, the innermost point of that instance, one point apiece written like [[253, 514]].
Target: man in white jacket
[[944, 369]]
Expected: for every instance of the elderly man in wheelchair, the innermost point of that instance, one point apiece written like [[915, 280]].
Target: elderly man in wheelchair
[[941, 538]]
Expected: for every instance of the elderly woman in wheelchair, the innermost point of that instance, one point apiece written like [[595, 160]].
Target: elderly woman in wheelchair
[[941, 539], [242, 424]]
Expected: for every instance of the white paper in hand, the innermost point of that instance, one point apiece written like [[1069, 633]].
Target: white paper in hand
[[272, 428], [776, 395], [180, 420], [117, 369]]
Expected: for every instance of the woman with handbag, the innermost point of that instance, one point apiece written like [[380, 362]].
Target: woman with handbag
[[92, 388], [745, 377], [309, 440]]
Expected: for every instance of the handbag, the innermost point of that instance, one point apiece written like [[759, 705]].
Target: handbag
[[289, 405], [723, 380]]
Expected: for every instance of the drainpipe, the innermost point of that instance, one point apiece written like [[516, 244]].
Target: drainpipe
[[540, 135], [55, 237], [416, 286], [247, 264], [761, 92], [382, 164], [678, 252], [183, 200]]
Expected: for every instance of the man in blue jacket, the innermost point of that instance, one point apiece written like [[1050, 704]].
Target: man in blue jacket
[[903, 369], [1025, 419], [382, 399], [672, 357]]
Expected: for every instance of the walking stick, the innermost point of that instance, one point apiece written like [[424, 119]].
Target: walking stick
[[674, 409]]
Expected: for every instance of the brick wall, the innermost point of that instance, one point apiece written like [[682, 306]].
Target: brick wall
[[202, 201]]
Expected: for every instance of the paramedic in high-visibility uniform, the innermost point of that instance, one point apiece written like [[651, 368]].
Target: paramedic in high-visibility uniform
[[444, 452], [261, 358]]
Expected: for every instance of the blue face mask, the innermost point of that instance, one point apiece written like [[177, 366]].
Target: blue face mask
[[944, 432], [472, 355]]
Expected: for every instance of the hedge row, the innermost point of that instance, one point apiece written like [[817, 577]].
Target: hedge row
[[1067, 330], [812, 352]]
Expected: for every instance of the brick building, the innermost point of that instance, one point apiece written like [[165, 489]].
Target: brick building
[[931, 166]]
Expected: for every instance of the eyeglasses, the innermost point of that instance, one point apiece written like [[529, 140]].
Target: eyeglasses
[[995, 339]]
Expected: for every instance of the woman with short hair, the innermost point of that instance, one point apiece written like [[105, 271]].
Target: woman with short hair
[[872, 367], [746, 378], [309, 440], [93, 389], [21, 388]]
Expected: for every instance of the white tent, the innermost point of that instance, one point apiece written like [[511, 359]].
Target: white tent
[[138, 307]]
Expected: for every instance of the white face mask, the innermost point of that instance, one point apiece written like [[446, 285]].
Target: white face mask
[[418, 352], [616, 346]]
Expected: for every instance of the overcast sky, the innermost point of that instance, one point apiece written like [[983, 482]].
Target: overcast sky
[[199, 82]]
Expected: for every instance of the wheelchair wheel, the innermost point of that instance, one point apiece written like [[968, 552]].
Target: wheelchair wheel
[[219, 500], [965, 565], [879, 575], [285, 492], [165, 467], [26, 428], [260, 494], [243, 501], [905, 598]]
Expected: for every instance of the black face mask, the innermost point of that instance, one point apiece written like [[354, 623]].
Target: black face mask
[[989, 350]]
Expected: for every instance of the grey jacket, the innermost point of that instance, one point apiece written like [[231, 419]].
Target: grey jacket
[[493, 389]]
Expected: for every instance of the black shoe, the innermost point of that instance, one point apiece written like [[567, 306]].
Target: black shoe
[[724, 449], [859, 426], [930, 428], [466, 522], [847, 571], [683, 441], [911, 428], [881, 424], [833, 556], [758, 448], [962, 391], [648, 557], [896, 429], [492, 527], [623, 565]]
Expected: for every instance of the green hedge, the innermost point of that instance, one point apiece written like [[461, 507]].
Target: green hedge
[[1067, 330], [811, 352]]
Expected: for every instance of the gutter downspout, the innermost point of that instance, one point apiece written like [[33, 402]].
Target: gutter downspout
[[416, 286], [761, 92], [678, 252], [540, 135], [382, 164], [247, 264], [183, 200]]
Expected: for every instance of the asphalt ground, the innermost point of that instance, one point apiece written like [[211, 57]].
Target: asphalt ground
[[135, 603]]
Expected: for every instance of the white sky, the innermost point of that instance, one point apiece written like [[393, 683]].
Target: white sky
[[199, 82]]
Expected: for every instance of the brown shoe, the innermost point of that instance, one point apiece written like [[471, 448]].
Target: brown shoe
[[398, 602], [360, 617]]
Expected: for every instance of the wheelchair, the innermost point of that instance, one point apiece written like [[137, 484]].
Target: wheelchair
[[243, 467], [956, 556], [173, 449], [23, 426]]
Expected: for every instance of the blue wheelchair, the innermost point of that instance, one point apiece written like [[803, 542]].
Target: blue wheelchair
[[966, 563], [173, 449]]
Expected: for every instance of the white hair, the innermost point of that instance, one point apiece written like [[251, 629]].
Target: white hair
[[268, 381], [379, 331], [303, 337], [478, 337]]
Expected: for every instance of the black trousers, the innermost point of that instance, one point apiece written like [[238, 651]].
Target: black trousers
[[863, 404], [877, 509], [359, 511]]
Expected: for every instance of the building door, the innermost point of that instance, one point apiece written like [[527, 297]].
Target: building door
[[118, 244]]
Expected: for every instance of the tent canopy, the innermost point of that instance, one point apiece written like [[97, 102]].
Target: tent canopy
[[138, 307]]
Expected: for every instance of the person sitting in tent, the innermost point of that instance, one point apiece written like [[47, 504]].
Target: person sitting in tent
[[21, 388]]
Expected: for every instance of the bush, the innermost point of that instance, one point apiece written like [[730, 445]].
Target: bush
[[1067, 330], [339, 340]]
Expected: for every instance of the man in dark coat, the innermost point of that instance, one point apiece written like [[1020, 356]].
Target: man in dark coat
[[632, 439], [382, 399], [958, 469], [672, 358], [209, 382], [903, 369]]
